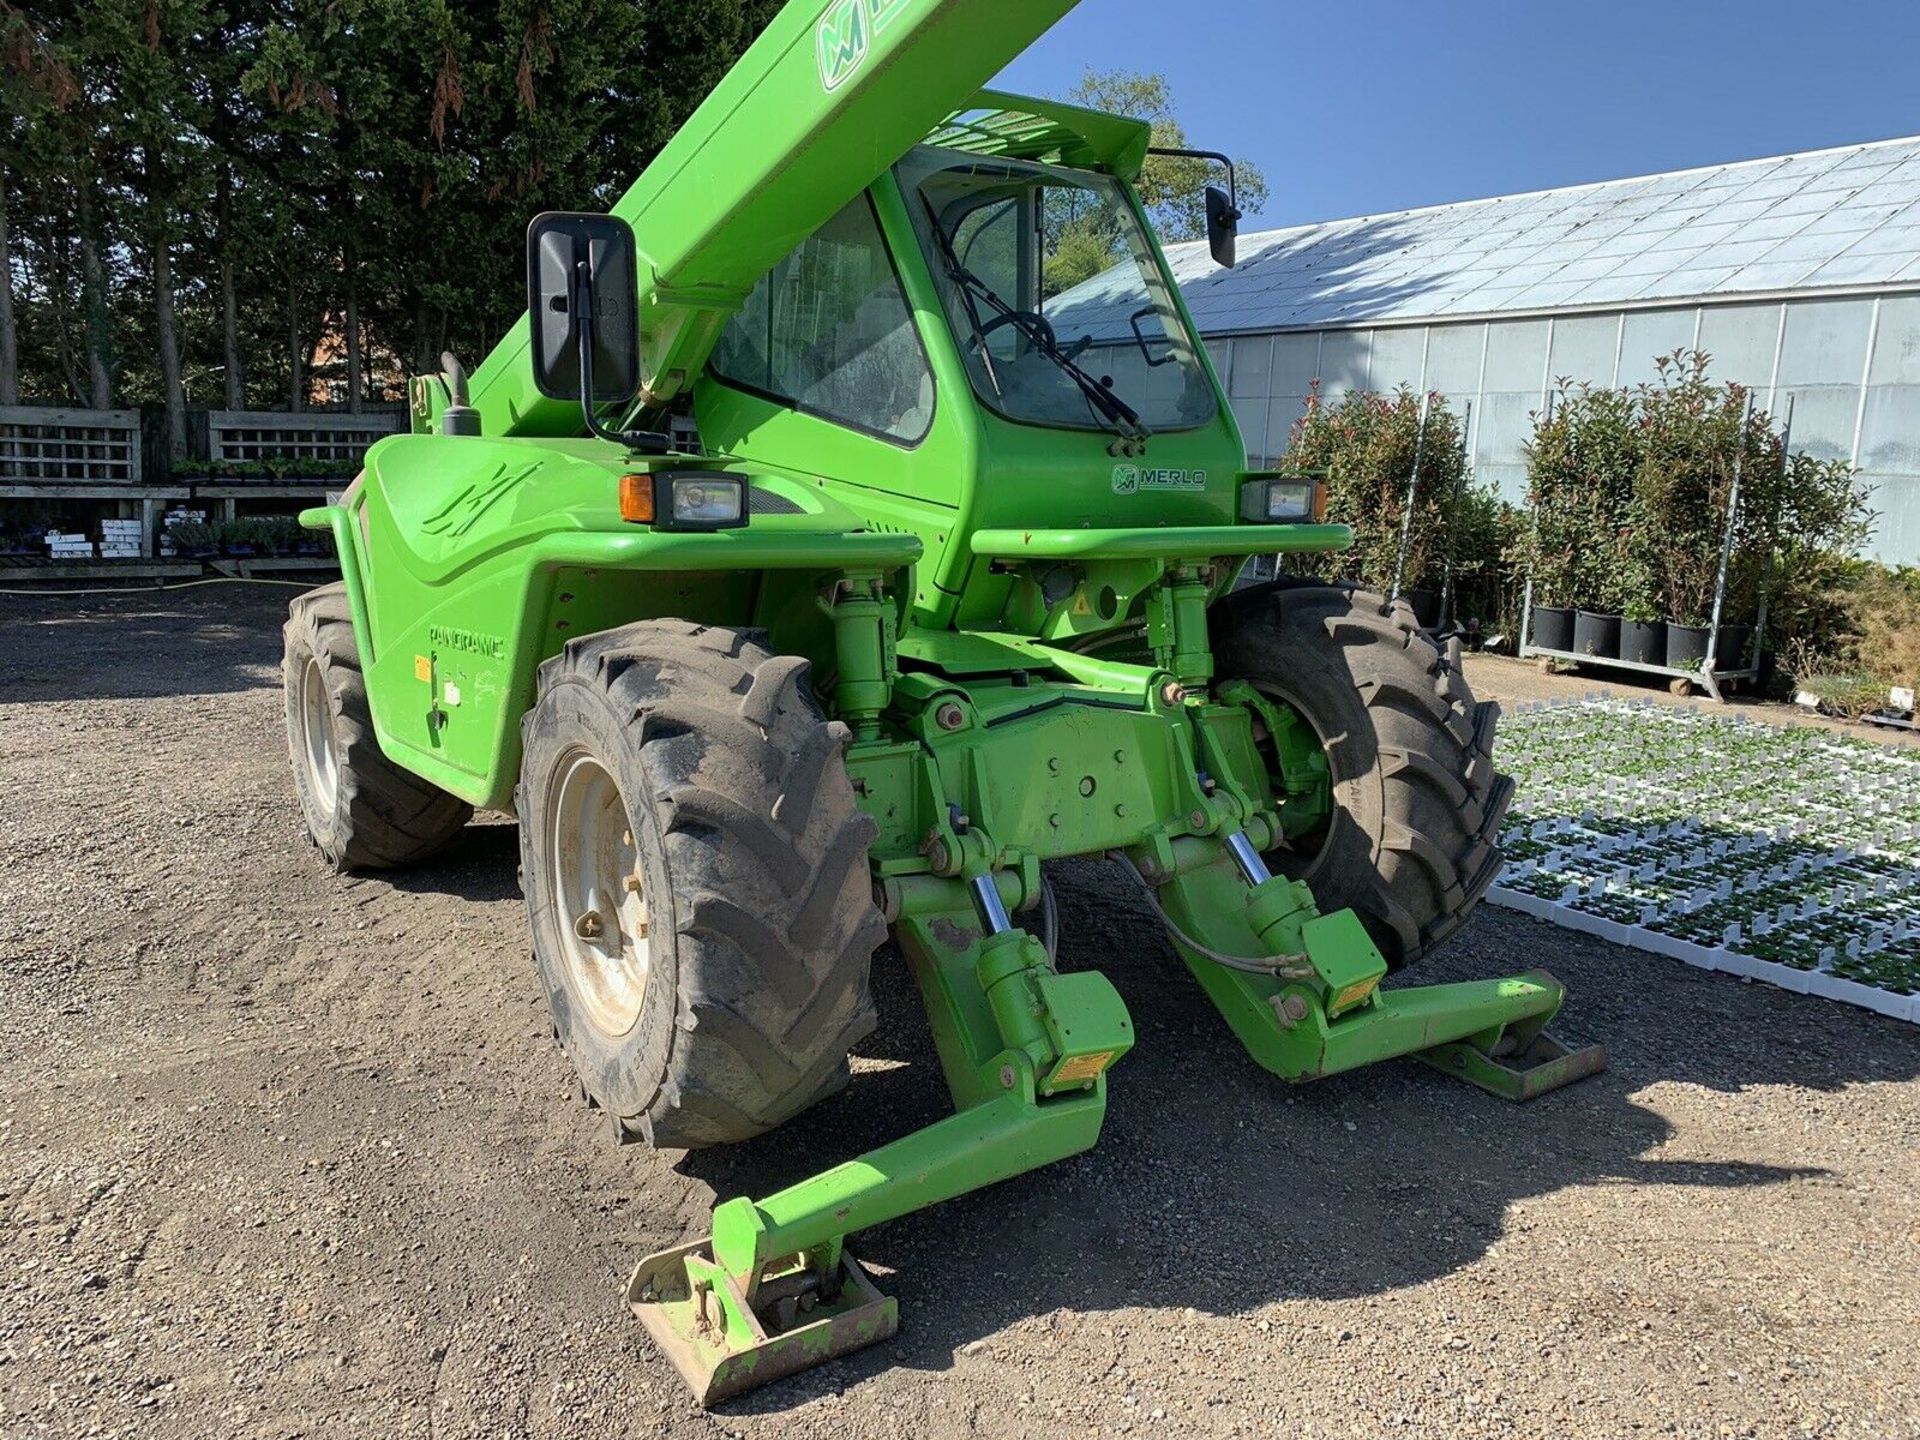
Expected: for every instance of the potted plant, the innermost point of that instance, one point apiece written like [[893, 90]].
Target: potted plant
[[1643, 634], [194, 540], [1596, 633], [1580, 463], [236, 538]]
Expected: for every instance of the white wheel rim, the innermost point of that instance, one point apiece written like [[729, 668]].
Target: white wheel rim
[[316, 733], [598, 906]]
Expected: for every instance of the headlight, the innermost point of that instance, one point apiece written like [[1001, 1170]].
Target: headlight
[[702, 501], [1279, 502], [684, 500]]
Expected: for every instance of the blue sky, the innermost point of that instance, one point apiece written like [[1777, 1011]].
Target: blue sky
[[1354, 109]]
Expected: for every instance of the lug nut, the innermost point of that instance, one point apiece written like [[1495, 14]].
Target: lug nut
[[949, 716]]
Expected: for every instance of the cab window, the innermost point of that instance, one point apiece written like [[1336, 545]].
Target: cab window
[[828, 331]]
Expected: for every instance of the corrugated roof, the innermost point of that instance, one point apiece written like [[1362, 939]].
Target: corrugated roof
[[1833, 219]]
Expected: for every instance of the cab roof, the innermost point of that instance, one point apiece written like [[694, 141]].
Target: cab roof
[[1046, 131]]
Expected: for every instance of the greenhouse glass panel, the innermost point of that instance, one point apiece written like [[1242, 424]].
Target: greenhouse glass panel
[[1583, 349], [1825, 342], [1296, 363], [1649, 334], [1220, 352], [1516, 355], [1503, 423], [1343, 361], [1896, 534], [1398, 356], [1741, 339], [1252, 415], [1282, 414], [1252, 366], [1453, 358], [1823, 418], [1896, 343], [1889, 430]]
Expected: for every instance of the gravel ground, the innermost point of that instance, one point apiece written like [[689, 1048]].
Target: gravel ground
[[283, 1154]]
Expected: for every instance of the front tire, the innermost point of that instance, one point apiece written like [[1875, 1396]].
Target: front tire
[[696, 877], [361, 810], [1411, 842]]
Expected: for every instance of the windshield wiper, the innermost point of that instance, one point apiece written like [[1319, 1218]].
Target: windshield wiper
[[1122, 419]]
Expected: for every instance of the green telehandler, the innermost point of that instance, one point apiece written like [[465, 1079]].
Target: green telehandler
[[947, 589]]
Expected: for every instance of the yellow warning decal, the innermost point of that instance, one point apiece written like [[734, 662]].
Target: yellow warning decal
[[1354, 994], [423, 669], [1082, 1067]]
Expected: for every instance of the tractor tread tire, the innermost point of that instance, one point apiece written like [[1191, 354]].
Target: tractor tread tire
[[383, 816], [1413, 843], [754, 1001]]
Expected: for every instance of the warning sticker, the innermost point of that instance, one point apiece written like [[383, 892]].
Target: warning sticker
[[423, 669], [1082, 1067], [1353, 994]]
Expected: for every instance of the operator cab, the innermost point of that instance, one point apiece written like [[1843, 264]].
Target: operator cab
[[1049, 281]]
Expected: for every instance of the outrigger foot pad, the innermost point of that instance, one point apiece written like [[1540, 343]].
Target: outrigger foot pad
[[1518, 1061], [1543, 1064], [724, 1341]]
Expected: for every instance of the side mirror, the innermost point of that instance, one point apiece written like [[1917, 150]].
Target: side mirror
[[1223, 227], [583, 307]]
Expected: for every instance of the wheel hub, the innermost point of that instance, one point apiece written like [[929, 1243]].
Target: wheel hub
[[316, 733], [598, 900]]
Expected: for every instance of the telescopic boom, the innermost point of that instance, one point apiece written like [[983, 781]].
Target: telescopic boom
[[830, 95]]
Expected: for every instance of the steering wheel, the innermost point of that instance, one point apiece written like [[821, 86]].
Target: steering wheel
[[1034, 321]]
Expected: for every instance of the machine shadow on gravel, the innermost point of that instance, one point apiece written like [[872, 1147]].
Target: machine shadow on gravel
[[1218, 1187], [482, 863]]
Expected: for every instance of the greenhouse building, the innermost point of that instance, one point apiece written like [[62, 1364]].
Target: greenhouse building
[[1799, 275]]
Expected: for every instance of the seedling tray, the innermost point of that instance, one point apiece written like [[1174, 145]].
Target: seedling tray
[[1784, 854]]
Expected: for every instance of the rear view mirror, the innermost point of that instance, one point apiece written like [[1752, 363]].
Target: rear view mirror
[[583, 307], [1223, 227]]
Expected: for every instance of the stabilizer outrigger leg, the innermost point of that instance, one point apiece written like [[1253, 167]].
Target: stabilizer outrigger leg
[[1302, 989], [1025, 1051]]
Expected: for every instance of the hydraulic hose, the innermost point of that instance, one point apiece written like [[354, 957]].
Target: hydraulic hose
[[1285, 967]]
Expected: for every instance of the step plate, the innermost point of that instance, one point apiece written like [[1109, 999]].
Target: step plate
[[661, 1295]]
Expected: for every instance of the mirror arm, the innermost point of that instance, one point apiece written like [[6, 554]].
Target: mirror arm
[[1225, 161], [651, 442]]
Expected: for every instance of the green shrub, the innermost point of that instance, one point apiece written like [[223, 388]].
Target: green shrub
[[1629, 490], [1868, 640], [1489, 564], [283, 467], [1363, 447], [1582, 462]]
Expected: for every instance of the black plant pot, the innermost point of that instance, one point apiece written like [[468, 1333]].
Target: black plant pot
[[1686, 646], [1731, 651], [1644, 642], [1596, 635], [1552, 628], [1426, 605]]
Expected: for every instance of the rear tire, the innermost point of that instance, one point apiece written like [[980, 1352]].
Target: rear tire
[[362, 811], [681, 785], [1411, 844]]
